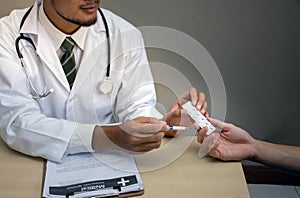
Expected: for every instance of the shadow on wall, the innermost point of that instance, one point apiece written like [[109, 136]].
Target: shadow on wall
[[7, 6]]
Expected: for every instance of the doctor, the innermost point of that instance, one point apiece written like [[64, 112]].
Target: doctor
[[96, 94]]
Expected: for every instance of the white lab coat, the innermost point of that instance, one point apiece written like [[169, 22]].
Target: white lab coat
[[44, 127]]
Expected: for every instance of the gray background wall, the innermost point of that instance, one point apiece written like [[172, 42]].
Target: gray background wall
[[255, 43]]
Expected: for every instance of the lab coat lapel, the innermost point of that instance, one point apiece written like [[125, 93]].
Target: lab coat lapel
[[48, 55], [94, 59], [46, 51]]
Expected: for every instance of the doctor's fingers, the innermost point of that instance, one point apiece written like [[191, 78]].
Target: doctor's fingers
[[149, 124], [155, 128], [143, 144], [145, 147], [150, 138], [149, 129], [201, 104], [144, 125], [197, 99], [189, 95]]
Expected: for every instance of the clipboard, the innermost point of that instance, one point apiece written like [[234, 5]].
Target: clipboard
[[109, 173]]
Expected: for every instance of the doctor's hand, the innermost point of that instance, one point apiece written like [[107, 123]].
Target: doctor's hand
[[141, 134], [175, 116], [234, 143]]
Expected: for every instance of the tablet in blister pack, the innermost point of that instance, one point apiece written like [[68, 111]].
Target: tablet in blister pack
[[212, 134]]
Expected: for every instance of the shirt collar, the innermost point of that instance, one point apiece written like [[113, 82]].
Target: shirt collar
[[57, 36]]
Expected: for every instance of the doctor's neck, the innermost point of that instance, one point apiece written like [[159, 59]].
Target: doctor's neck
[[68, 16]]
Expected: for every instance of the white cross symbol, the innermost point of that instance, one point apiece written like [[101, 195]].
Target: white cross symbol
[[123, 182]]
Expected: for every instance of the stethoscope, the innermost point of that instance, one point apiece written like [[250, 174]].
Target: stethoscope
[[106, 86]]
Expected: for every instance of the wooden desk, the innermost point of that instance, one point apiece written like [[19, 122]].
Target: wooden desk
[[187, 176], [20, 175]]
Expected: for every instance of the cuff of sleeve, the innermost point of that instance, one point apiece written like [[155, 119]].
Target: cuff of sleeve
[[81, 140]]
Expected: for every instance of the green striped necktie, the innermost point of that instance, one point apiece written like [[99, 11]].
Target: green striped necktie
[[68, 60]]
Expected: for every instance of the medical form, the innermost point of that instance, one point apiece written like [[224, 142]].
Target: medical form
[[103, 173]]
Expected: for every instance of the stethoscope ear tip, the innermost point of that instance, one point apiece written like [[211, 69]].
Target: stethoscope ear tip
[[51, 90]]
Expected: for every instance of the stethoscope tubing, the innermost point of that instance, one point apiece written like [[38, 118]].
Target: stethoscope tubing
[[21, 57], [108, 42]]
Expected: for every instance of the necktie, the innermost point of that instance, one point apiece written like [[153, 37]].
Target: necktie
[[68, 60]]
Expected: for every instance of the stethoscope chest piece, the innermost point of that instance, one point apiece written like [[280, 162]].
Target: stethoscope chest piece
[[106, 86]]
